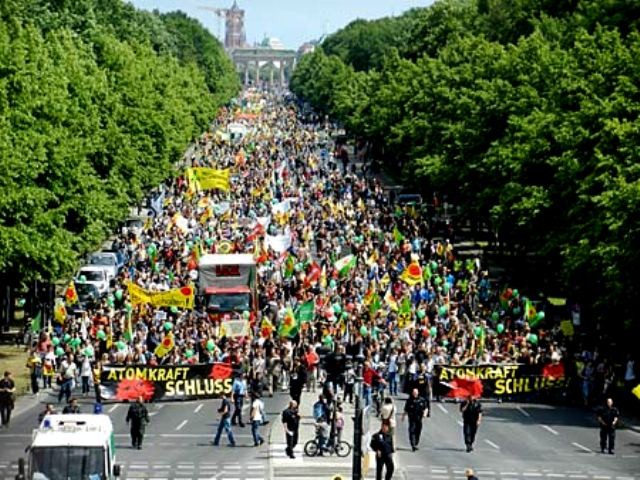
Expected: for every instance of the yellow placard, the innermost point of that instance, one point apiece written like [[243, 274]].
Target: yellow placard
[[211, 178], [566, 326], [178, 297]]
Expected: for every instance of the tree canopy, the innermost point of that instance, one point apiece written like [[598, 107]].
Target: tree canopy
[[526, 113], [97, 101]]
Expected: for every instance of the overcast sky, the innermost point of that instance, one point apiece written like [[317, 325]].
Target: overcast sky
[[292, 21]]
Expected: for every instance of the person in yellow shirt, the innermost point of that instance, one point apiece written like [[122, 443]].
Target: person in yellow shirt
[[34, 364]]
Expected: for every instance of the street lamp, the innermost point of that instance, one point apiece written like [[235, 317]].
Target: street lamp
[[357, 428]]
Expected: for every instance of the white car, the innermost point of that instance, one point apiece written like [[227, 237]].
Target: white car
[[94, 275], [108, 261]]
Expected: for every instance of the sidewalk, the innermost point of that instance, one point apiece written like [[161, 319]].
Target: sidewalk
[[313, 468]]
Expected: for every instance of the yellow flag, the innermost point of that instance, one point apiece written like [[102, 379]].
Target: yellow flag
[[211, 178], [636, 391]]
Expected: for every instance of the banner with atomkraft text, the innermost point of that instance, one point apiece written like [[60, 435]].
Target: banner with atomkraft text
[[496, 380], [165, 383]]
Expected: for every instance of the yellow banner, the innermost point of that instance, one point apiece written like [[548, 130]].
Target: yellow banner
[[211, 178], [178, 297]]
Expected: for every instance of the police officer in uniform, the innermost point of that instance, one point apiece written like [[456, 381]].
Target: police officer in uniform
[[416, 409], [382, 444], [139, 417], [608, 419], [471, 417]]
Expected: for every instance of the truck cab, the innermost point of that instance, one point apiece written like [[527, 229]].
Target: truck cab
[[71, 447], [227, 283]]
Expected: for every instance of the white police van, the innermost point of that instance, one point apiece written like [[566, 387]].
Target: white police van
[[71, 447]]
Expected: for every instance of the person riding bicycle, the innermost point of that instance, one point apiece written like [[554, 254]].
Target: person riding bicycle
[[322, 434]]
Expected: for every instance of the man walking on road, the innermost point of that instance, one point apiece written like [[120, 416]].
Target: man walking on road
[[608, 419], [225, 422], [257, 418], [7, 395], [471, 417], [291, 423], [239, 389], [416, 409], [139, 417], [382, 444]]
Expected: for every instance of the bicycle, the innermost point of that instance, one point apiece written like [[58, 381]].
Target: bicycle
[[341, 448]]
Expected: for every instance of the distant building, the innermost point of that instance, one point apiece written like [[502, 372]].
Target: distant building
[[307, 47], [235, 35], [272, 43]]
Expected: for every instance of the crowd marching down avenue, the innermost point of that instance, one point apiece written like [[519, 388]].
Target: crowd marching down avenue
[[354, 295]]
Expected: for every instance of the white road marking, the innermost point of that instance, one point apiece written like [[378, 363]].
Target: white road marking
[[153, 413], [577, 476], [581, 447], [198, 408], [624, 478], [486, 472], [532, 474], [182, 424], [460, 422], [602, 477], [556, 475], [492, 444], [112, 409], [254, 466], [442, 408], [523, 411], [549, 429]]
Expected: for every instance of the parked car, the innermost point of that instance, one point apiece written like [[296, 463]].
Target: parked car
[[133, 225], [108, 261], [93, 275]]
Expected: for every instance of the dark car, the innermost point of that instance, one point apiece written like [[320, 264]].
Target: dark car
[[88, 297]]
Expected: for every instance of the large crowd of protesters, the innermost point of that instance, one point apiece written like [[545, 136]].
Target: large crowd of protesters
[[400, 326]]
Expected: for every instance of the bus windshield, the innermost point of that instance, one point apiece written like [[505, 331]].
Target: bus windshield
[[67, 463], [229, 302]]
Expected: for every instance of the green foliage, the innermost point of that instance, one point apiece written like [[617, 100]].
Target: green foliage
[[526, 113], [95, 106]]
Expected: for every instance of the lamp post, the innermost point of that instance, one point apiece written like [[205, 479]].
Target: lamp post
[[357, 428]]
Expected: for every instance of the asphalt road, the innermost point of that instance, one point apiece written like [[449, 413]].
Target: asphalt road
[[177, 443], [515, 441]]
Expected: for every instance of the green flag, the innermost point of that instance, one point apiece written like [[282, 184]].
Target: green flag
[[289, 325], [345, 265], [305, 312], [289, 266], [36, 323], [398, 237], [376, 304]]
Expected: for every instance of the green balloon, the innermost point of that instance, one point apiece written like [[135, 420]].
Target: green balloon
[[333, 283], [188, 353], [246, 315], [442, 311], [55, 341], [516, 311], [121, 345], [495, 316], [59, 351], [101, 335], [434, 266], [337, 308], [168, 326], [89, 351], [500, 327], [67, 338], [533, 338], [540, 316], [445, 287], [445, 342], [437, 280], [328, 340], [75, 343], [421, 314], [477, 331], [433, 331], [82, 279], [515, 293], [119, 294], [344, 315], [210, 345], [364, 331], [174, 309]]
